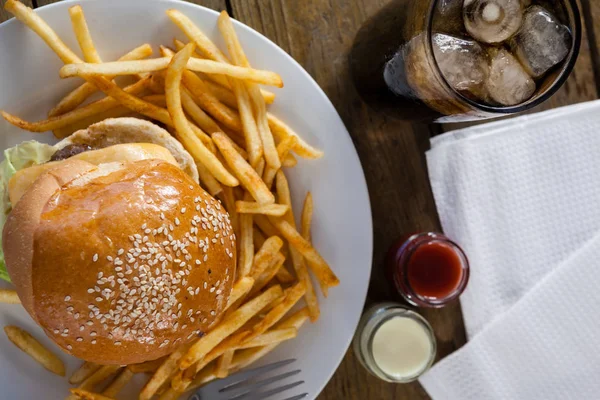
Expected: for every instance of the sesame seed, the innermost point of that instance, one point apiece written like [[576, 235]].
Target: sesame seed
[[67, 298], [69, 347], [79, 339], [95, 258], [177, 221], [90, 290], [120, 252], [94, 341], [109, 258]]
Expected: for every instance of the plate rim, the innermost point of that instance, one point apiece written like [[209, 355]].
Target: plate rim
[[361, 178]]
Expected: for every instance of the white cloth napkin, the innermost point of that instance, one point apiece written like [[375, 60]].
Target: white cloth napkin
[[521, 196], [546, 347]]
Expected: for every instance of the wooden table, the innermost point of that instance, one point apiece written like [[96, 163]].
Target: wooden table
[[318, 34]]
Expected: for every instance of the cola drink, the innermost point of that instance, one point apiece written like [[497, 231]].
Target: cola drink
[[460, 60]]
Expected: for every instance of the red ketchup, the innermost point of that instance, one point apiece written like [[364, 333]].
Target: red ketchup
[[428, 269]]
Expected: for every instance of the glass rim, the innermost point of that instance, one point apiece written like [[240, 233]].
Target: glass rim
[[561, 78], [379, 318], [462, 284]]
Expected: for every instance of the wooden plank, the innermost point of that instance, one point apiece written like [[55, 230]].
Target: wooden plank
[[5, 15], [591, 16], [318, 34], [214, 4]]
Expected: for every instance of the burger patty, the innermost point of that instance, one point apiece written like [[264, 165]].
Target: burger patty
[[70, 151]]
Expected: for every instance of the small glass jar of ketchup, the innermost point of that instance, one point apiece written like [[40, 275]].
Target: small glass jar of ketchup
[[428, 269]]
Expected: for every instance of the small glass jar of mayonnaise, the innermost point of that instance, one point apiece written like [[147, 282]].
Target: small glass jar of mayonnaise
[[394, 344]]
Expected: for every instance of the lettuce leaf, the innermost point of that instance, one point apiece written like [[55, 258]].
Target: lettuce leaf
[[16, 158]]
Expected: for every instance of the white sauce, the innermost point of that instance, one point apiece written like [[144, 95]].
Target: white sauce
[[401, 347]]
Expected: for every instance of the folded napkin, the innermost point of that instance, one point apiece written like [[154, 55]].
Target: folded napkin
[[546, 347], [519, 196]]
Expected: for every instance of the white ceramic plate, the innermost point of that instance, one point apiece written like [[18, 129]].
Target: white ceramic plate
[[342, 221]]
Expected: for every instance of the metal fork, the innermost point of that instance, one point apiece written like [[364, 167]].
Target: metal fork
[[245, 385]]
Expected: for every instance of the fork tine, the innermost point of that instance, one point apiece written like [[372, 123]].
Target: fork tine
[[241, 389], [244, 376], [300, 396], [269, 393]]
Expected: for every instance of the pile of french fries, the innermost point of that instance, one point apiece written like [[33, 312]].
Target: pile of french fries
[[214, 106]]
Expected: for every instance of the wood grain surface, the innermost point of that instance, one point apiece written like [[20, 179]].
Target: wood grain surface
[[318, 34]]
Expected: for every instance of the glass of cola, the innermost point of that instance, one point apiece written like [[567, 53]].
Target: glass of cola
[[464, 60]]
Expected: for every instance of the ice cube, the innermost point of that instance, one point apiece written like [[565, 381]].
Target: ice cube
[[492, 21], [542, 41], [508, 82], [463, 63]]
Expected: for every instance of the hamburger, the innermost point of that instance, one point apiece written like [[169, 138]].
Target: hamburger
[[113, 247]]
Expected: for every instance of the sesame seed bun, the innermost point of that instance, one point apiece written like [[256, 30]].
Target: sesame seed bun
[[120, 263]]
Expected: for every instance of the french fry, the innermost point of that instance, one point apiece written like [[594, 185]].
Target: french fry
[[224, 95], [205, 45], [240, 289], [292, 296], [246, 247], [78, 114], [269, 176], [41, 28], [263, 223], [209, 182], [223, 363], [35, 349], [9, 297], [204, 121], [228, 326], [253, 143], [184, 131], [118, 383], [247, 176], [133, 67], [83, 372], [148, 366], [83, 92], [270, 337], [256, 98], [318, 265], [164, 372], [281, 131], [99, 376], [216, 83], [264, 256], [285, 146], [268, 274], [247, 207], [306, 216], [251, 134], [289, 161], [229, 201], [283, 194], [284, 276], [86, 395], [207, 100], [203, 377], [83, 36], [246, 357]]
